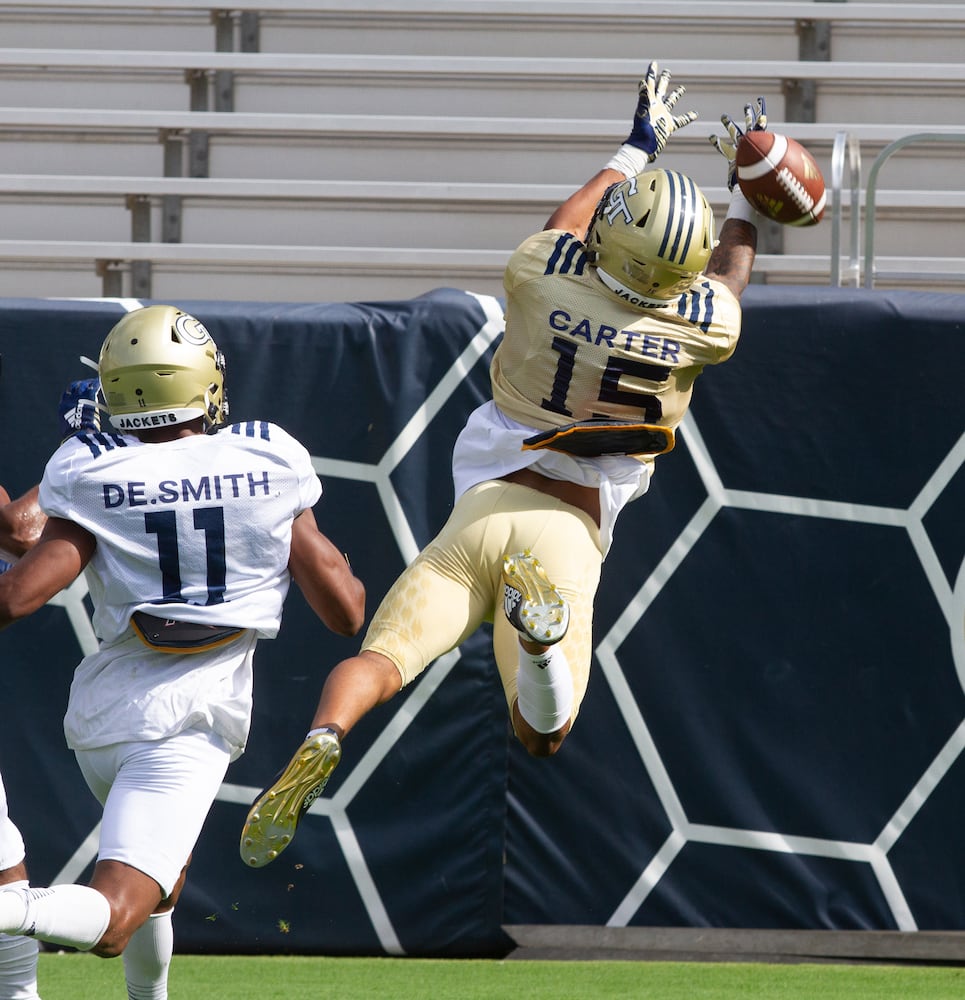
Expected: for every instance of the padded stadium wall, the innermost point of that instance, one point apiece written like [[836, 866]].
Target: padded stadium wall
[[773, 732]]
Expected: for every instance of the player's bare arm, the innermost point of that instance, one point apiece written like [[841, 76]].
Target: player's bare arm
[[574, 215], [21, 522], [53, 563], [325, 578], [733, 257]]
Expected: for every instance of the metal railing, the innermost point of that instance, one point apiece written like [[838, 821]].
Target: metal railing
[[871, 187], [845, 146]]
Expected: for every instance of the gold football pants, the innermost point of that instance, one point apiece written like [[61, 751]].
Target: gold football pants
[[455, 583]]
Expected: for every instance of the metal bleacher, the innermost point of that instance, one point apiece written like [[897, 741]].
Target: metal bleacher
[[374, 149]]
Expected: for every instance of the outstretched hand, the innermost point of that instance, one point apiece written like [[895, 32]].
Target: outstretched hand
[[654, 121], [755, 120]]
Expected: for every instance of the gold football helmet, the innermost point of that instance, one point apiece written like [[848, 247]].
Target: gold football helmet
[[651, 235], [159, 366]]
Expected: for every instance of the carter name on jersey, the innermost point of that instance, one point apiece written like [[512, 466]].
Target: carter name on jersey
[[648, 344]]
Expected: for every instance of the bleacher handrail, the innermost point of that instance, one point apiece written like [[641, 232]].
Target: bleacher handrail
[[573, 69], [383, 259], [106, 119], [281, 189], [814, 10], [294, 257], [435, 192], [872, 184]]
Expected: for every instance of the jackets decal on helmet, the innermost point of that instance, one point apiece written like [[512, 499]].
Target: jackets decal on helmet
[[132, 422]]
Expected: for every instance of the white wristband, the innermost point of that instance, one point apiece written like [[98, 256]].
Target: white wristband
[[741, 208], [629, 160]]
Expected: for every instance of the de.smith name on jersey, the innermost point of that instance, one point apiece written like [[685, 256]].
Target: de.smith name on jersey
[[227, 485]]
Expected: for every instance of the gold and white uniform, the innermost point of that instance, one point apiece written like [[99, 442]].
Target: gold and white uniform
[[572, 350]]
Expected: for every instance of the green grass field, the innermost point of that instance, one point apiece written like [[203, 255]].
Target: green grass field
[[193, 977]]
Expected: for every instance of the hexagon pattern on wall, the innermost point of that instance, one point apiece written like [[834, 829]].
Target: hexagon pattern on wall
[[611, 653]]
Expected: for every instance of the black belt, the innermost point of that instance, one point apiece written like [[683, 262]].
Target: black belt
[[172, 636]]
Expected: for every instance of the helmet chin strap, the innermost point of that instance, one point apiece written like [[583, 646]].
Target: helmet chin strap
[[628, 294], [210, 413]]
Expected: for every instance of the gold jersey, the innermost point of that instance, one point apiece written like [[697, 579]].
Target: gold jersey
[[574, 350]]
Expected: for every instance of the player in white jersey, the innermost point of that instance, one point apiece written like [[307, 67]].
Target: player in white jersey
[[189, 540], [20, 524], [612, 311]]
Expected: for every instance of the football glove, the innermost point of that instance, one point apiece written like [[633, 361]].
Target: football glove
[[654, 121], [755, 120], [78, 408]]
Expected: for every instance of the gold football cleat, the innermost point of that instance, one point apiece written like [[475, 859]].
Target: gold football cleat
[[272, 819]]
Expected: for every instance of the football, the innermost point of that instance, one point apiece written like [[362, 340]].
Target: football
[[779, 177]]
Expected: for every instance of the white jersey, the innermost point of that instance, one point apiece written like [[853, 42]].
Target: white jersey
[[197, 529]]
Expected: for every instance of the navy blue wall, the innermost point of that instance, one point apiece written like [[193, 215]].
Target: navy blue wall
[[773, 730]]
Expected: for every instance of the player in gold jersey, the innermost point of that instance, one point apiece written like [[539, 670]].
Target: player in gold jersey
[[612, 311]]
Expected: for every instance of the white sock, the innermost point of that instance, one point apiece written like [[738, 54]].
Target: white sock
[[18, 968], [18, 962], [544, 688], [147, 958], [74, 915]]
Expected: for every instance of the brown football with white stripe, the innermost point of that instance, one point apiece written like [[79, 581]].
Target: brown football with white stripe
[[780, 178]]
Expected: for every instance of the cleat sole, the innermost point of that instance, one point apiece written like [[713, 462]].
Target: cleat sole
[[533, 604]]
